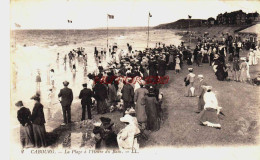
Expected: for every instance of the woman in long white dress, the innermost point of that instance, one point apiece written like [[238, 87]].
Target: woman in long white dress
[[243, 70], [211, 110], [177, 66], [247, 71], [126, 137], [251, 57], [255, 59]]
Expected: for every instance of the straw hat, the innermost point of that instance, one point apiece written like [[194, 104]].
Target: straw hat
[[142, 82], [130, 111], [190, 69], [97, 124], [200, 76], [243, 58], [128, 79], [216, 55], [127, 118], [207, 87]]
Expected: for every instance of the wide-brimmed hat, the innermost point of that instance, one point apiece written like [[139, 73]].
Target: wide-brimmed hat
[[216, 55], [207, 87], [97, 124], [19, 104], [36, 97], [128, 79], [190, 69], [127, 119], [84, 84], [200, 76], [106, 122], [142, 82], [130, 111], [243, 58], [65, 83]]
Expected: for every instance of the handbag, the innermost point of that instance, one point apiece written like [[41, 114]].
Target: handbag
[[186, 82]]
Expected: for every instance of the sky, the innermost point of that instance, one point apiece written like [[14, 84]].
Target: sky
[[88, 14]]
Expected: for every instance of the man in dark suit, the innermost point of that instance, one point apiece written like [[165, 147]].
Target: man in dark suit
[[127, 95], [66, 100], [85, 96]]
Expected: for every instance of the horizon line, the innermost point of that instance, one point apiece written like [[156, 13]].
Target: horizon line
[[98, 28]]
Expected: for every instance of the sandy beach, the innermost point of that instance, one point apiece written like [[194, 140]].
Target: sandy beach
[[29, 59]]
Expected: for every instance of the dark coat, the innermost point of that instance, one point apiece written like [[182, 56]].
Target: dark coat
[[152, 108], [110, 139], [38, 114], [152, 68], [195, 53], [24, 116], [111, 93], [85, 96], [161, 68], [100, 91], [127, 93], [66, 95]]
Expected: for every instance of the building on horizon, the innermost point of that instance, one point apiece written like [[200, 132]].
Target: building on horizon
[[237, 18]]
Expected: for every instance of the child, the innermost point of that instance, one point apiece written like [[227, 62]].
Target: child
[[236, 68], [229, 71], [177, 66], [190, 78], [52, 78], [38, 82]]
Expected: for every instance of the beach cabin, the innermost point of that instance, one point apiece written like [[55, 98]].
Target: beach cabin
[[251, 34]]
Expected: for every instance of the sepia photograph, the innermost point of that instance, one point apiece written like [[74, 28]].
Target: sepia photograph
[[153, 79]]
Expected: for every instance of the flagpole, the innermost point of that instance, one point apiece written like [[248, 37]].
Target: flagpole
[[148, 30], [189, 30], [107, 31]]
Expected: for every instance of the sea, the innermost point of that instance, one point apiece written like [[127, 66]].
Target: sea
[[35, 51]]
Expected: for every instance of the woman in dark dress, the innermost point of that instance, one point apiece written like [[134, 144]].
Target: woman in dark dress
[[26, 131], [151, 108], [221, 70], [211, 56], [38, 122], [171, 62], [189, 57]]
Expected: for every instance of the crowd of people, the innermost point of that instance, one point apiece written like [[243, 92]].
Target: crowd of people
[[130, 83], [225, 58]]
